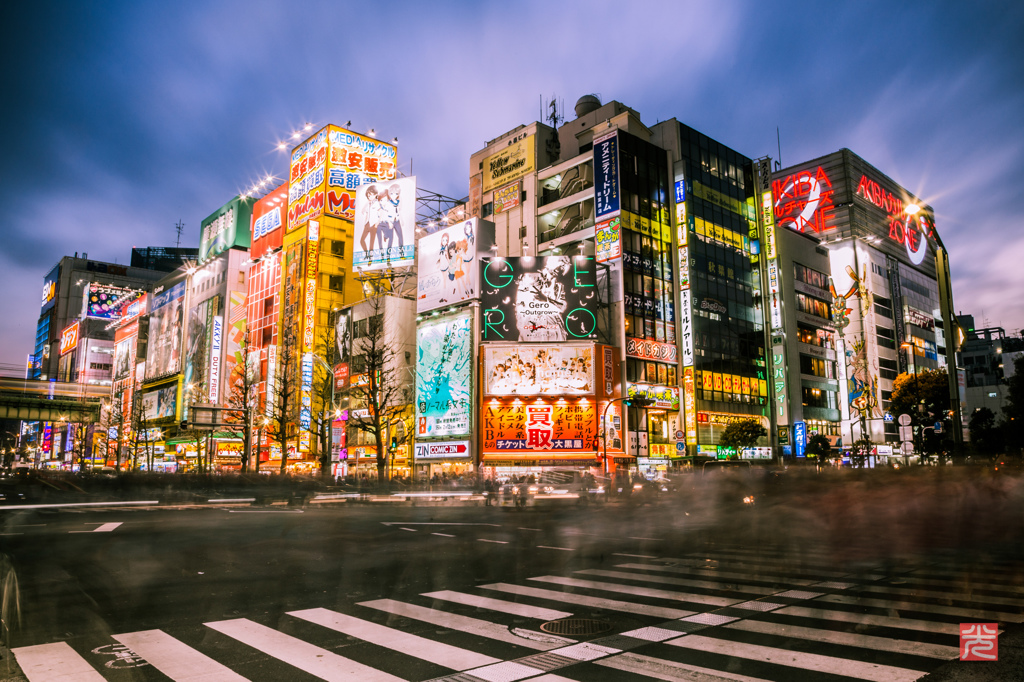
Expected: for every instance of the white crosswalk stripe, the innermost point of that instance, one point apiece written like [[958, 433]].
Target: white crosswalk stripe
[[901, 646], [670, 671], [509, 607], [665, 580], [175, 659], [593, 602], [56, 662], [638, 591], [924, 608]]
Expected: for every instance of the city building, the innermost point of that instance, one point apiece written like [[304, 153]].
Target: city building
[[890, 301], [163, 258], [987, 357]]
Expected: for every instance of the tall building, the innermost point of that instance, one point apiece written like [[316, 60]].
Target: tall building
[[987, 357], [891, 302], [163, 258]]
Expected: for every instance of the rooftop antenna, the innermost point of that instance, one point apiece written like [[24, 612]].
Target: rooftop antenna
[[778, 141], [178, 227], [554, 117]]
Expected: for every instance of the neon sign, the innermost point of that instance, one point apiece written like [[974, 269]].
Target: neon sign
[[69, 339], [911, 231], [803, 201]]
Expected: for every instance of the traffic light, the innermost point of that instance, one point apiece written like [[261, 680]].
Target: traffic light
[[394, 443]]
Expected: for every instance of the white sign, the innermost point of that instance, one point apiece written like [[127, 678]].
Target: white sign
[[448, 271], [907, 448], [775, 294], [906, 433], [904, 420], [215, 344], [451, 449], [686, 327], [385, 225]]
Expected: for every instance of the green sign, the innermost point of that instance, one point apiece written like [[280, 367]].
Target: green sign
[[226, 227]]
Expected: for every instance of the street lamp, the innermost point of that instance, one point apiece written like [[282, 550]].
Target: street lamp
[[908, 348]]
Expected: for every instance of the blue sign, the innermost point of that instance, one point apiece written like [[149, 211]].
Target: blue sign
[[680, 191], [680, 446], [606, 177], [938, 427], [888, 417], [800, 438]]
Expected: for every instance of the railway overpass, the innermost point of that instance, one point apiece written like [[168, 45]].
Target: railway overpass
[[51, 401]]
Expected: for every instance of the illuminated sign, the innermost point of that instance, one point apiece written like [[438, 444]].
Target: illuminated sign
[[912, 231], [651, 350], [665, 397], [533, 370], [452, 449], [447, 267], [606, 175], [507, 198], [509, 164], [800, 438], [608, 244], [539, 426], [312, 264], [106, 302], [538, 299], [444, 376], [686, 327], [269, 215], [267, 223], [918, 317], [385, 212], [803, 201], [769, 226], [226, 227], [306, 176], [49, 291], [778, 382], [160, 404], [690, 406], [775, 294], [69, 338], [215, 345], [166, 319]]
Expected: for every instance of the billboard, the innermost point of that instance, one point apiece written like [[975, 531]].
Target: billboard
[[804, 201], [106, 302], [328, 169], [447, 270], [510, 164], [508, 197], [541, 426], [444, 376], [235, 330], [606, 237], [124, 357], [343, 348], [536, 370], [69, 338], [226, 227], [163, 352], [449, 449], [268, 218], [50, 289], [552, 298], [664, 397], [385, 225], [606, 175], [197, 348], [160, 404]]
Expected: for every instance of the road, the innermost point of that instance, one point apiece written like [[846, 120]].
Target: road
[[461, 593]]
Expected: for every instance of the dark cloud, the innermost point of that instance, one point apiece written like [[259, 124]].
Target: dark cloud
[[123, 118]]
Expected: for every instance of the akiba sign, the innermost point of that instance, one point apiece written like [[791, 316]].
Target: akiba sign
[[803, 201], [911, 228]]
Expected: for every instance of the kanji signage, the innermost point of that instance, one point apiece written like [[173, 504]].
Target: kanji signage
[[606, 175]]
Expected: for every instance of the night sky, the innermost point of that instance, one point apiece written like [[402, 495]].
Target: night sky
[[121, 119]]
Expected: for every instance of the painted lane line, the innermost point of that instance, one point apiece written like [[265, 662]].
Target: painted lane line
[[635, 556], [769, 566], [978, 614], [900, 646], [411, 530], [437, 523], [639, 591], [299, 654], [439, 653], [176, 659], [102, 528], [232, 499], [584, 600], [57, 661], [682, 582], [797, 659], [265, 511], [444, 535], [670, 671], [823, 613], [473, 626], [497, 542], [509, 607], [563, 549], [11, 533]]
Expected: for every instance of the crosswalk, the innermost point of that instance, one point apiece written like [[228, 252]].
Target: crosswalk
[[732, 614]]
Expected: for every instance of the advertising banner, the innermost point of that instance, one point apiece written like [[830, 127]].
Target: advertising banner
[[664, 397], [686, 327], [235, 330], [69, 338], [166, 316], [606, 175], [651, 350], [385, 225], [690, 405], [510, 164], [354, 161], [775, 294], [609, 245], [106, 302], [447, 264], [534, 370], [124, 357], [552, 298], [343, 348], [50, 289], [507, 198], [216, 337], [226, 227], [307, 176], [542, 426], [268, 217], [197, 350], [444, 376], [160, 404], [449, 449]]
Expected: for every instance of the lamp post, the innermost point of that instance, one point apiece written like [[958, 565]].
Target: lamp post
[[635, 401]]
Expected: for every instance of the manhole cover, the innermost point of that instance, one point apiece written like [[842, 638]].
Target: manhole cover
[[576, 626]]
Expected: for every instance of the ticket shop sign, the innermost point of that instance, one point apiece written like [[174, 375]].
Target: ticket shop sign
[[539, 426]]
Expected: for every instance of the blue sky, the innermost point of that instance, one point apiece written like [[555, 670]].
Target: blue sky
[[123, 118]]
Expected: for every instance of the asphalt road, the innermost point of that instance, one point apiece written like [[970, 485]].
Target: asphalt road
[[868, 579]]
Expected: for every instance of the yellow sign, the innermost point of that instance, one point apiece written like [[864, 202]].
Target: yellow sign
[[509, 164]]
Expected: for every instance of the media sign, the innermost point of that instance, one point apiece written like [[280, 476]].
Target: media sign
[[108, 302], [166, 318], [507, 198], [268, 217], [450, 449], [552, 298], [509, 164], [607, 239], [803, 201], [800, 438], [69, 338], [539, 426]]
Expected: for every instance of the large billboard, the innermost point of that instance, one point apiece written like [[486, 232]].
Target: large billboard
[[166, 316], [197, 349], [552, 298], [226, 227], [385, 225], [535, 370], [161, 403], [124, 357], [69, 338], [328, 169], [235, 330], [106, 302], [268, 217], [541, 426], [447, 269], [510, 164], [606, 175], [444, 377], [50, 289]]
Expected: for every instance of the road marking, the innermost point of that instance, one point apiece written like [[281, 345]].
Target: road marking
[[474, 626], [233, 499], [538, 530], [823, 613], [653, 539], [683, 582], [508, 671], [69, 505], [11, 533], [639, 591], [497, 542], [444, 535], [563, 549], [265, 511], [768, 566], [297, 653], [670, 671], [502, 606], [102, 528], [797, 659], [57, 661], [436, 523], [900, 646], [942, 594], [411, 530], [425, 649], [635, 556], [584, 600], [176, 659], [924, 608]]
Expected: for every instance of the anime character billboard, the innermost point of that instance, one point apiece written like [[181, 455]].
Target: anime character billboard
[[385, 225]]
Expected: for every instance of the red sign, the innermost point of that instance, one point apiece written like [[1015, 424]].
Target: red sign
[[340, 376], [651, 350], [912, 231], [803, 201], [268, 216], [979, 641], [69, 339]]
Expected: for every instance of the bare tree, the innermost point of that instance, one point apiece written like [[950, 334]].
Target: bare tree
[[243, 398], [323, 395], [281, 393]]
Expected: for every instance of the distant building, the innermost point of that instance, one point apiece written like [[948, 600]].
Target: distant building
[[987, 357], [163, 258]]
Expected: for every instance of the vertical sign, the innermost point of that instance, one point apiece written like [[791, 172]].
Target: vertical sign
[[606, 175], [271, 381], [215, 344], [775, 295], [690, 406], [685, 327], [778, 383], [800, 439]]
